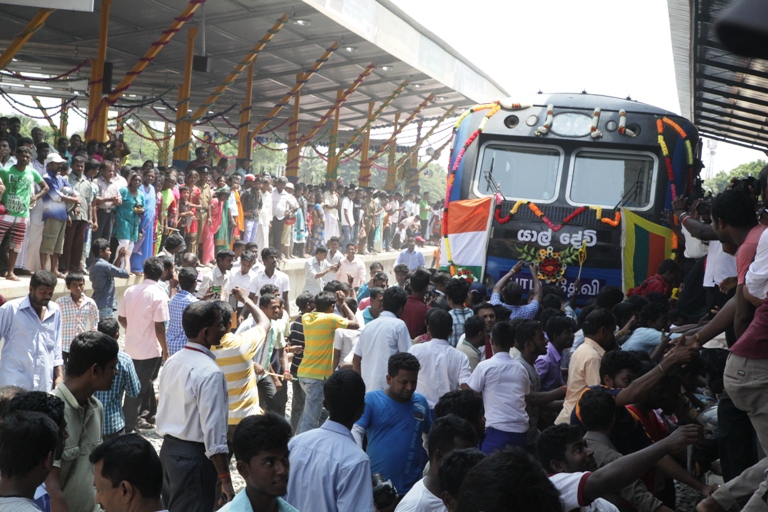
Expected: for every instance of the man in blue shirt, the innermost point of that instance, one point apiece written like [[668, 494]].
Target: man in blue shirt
[[175, 337], [103, 274], [55, 211], [329, 472], [394, 420], [126, 382], [411, 257]]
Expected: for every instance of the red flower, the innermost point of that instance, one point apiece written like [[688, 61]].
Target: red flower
[[550, 267]]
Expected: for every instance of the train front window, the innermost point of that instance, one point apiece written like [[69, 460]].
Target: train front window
[[521, 172], [609, 179]]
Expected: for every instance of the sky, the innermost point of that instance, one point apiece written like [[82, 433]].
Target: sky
[[613, 47]]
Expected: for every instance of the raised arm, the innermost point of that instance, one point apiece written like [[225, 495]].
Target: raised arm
[[501, 283]]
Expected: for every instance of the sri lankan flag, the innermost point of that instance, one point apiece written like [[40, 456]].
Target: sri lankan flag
[[466, 225], [645, 245]]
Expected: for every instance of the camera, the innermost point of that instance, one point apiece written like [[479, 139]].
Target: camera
[[384, 492]]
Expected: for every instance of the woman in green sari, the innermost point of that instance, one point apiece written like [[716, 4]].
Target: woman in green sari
[[224, 233]]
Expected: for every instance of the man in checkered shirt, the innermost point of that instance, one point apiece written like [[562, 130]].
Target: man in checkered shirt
[[126, 381], [78, 312]]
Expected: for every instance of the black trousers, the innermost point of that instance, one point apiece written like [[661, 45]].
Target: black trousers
[[189, 477], [106, 221], [276, 233], [147, 371]]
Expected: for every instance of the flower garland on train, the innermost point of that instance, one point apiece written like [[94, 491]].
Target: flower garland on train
[[668, 158], [615, 221]]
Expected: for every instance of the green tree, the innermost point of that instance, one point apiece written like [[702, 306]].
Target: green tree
[[719, 182]]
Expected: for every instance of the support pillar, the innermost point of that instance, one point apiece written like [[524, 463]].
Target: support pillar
[[63, 117], [365, 162], [391, 163], [97, 112], [333, 140], [244, 147], [411, 175], [293, 155], [183, 126]]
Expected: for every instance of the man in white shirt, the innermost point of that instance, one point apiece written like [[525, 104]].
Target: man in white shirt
[[244, 277], [270, 274], [215, 282], [331, 208], [411, 257], [351, 267], [380, 339], [281, 206], [504, 385], [443, 368], [193, 415], [334, 255], [347, 217], [265, 214], [318, 271]]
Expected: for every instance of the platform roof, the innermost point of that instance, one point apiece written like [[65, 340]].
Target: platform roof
[[726, 96], [366, 30]]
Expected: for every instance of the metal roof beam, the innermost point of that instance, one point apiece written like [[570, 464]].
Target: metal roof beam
[[732, 140], [731, 122], [746, 110], [730, 96], [214, 20], [742, 133], [712, 111], [732, 83], [292, 72], [734, 68]]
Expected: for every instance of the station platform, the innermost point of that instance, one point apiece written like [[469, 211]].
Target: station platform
[[293, 267]]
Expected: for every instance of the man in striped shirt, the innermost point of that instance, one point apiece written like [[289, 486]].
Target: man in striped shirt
[[317, 364], [235, 354], [78, 312]]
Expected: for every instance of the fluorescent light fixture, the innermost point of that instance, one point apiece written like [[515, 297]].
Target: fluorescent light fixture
[[418, 86], [303, 22], [387, 67], [350, 49]]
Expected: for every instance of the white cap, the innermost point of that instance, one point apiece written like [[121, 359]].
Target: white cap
[[55, 158]]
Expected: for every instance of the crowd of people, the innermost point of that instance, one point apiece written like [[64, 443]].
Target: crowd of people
[[58, 200], [430, 393]]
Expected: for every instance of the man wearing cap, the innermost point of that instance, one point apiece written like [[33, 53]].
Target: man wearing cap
[[17, 196], [249, 199], [55, 211], [281, 207]]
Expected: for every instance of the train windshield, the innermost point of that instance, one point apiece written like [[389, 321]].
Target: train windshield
[[609, 179], [521, 172]]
